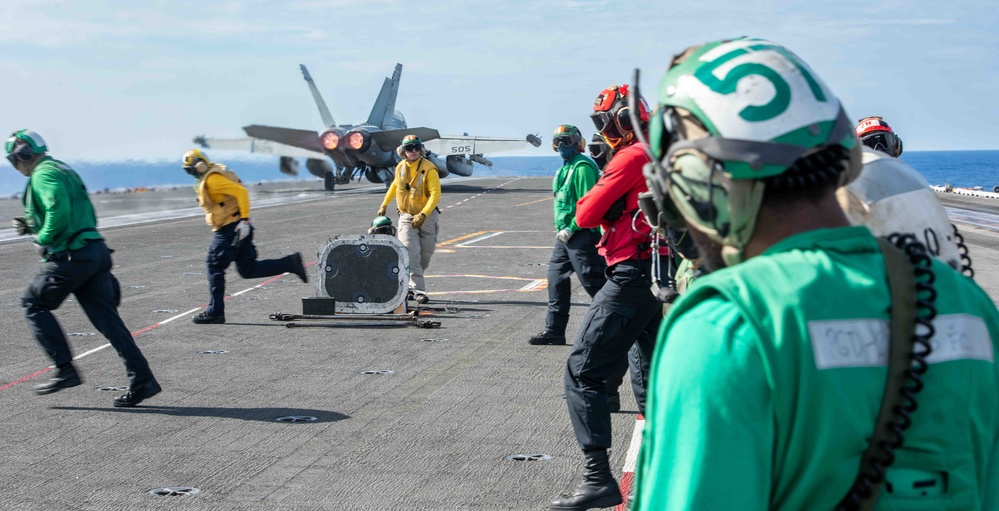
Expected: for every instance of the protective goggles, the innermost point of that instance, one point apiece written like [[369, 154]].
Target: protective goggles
[[18, 152], [566, 140], [598, 149], [884, 141], [409, 148], [191, 169]]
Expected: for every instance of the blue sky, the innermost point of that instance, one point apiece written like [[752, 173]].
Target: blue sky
[[108, 80]]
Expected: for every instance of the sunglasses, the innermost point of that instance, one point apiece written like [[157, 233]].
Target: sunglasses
[[413, 148]]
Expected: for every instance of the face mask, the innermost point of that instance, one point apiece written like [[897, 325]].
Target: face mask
[[567, 152]]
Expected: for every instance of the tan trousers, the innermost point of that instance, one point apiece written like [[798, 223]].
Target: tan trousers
[[421, 245]]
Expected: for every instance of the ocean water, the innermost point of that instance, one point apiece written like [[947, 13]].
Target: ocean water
[[957, 168]]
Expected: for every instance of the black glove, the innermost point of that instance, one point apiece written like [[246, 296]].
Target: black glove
[[615, 211], [20, 225], [667, 295]]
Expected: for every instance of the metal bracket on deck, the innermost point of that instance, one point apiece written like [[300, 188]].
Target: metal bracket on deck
[[410, 318]]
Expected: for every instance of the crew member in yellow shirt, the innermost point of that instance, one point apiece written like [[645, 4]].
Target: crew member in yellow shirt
[[416, 189], [227, 210]]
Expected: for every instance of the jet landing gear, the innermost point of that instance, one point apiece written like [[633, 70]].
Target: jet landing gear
[[338, 177]]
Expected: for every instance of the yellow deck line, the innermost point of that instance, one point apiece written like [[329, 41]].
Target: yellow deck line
[[535, 202], [465, 237]]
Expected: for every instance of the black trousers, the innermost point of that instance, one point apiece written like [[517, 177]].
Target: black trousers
[[623, 313], [86, 273], [639, 369], [221, 254], [578, 256]]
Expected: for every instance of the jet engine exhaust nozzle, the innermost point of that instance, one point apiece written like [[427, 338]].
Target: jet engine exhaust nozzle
[[331, 140], [358, 140]]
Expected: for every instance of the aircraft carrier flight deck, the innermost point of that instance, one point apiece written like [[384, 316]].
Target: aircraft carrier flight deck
[[258, 416]]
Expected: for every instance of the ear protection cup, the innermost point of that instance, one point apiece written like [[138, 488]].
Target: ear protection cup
[[898, 147], [624, 119]]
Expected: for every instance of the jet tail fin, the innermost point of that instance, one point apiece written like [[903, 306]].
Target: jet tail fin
[[323, 110], [384, 106]]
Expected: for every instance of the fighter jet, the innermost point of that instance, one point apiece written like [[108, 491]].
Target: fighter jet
[[364, 150]]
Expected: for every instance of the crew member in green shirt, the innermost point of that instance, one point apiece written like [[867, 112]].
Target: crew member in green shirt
[[575, 248], [75, 260], [768, 374]]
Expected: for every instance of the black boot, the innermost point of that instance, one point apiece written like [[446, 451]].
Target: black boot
[[598, 489], [547, 337], [63, 378], [298, 267]]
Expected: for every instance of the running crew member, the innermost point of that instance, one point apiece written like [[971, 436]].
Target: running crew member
[[58, 211], [227, 210]]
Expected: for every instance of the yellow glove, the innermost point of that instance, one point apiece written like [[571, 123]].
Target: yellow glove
[[381, 211], [418, 220]]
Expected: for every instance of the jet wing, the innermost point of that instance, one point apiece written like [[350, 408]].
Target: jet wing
[[303, 139], [390, 139], [448, 144], [256, 146]]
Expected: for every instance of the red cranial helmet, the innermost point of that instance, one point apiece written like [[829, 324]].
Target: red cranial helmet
[[875, 133], [611, 115]]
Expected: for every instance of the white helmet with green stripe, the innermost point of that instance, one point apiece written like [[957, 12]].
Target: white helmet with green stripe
[[732, 117], [32, 139]]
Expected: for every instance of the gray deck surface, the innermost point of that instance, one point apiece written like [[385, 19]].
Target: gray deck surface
[[433, 435]]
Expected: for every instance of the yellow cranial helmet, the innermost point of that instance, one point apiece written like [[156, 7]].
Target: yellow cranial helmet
[[191, 157]]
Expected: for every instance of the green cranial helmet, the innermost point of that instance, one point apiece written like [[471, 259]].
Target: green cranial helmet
[[32, 139], [568, 135], [731, 114], [382, 225]]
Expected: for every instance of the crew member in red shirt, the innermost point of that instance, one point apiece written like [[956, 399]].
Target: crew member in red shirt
[[624, 311]]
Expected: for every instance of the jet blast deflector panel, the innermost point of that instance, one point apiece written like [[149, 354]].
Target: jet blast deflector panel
[[366, 274]]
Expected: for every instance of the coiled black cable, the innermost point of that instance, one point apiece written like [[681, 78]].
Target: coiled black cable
[[966, 268], [812, 172], [926, 295]]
